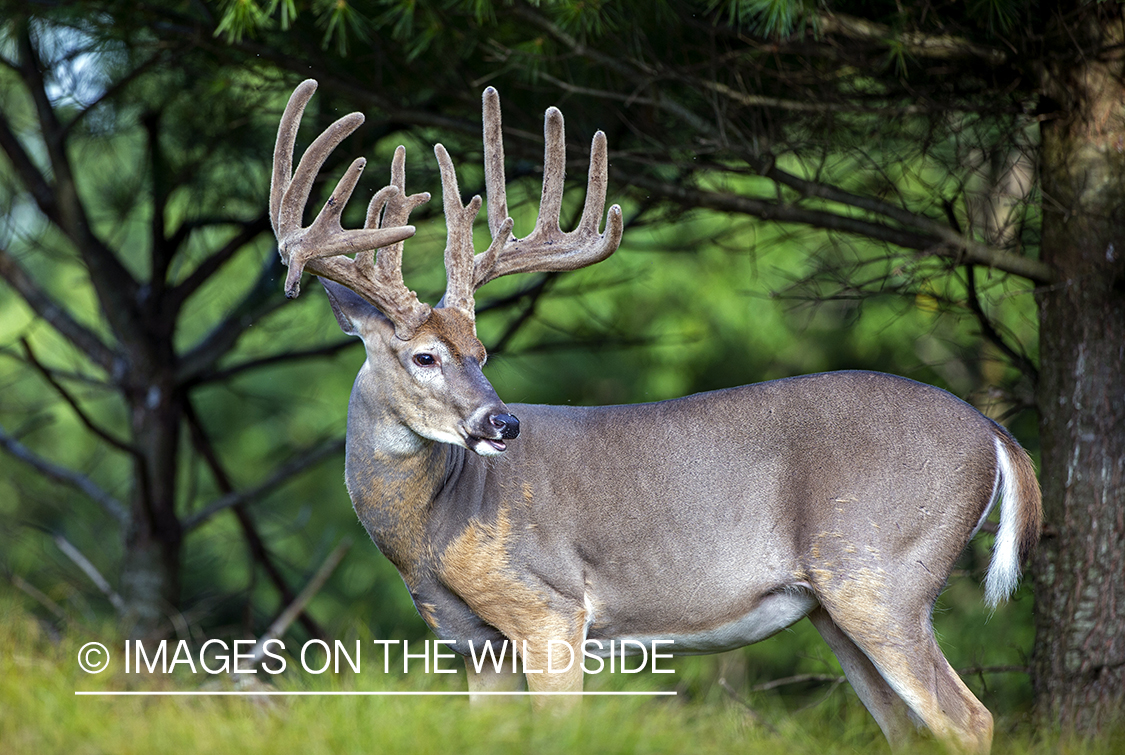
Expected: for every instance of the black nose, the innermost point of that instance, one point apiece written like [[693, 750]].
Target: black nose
[[507, 424]]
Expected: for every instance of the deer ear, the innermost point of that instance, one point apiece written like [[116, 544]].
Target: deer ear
[[354, 313]]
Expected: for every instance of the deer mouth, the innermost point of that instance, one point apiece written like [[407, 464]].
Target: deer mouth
[[488, 436], [481, 442], [499, 445], [486, 446], [503, 427]]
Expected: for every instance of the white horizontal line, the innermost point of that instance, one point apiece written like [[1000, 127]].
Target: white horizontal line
[[353, 693]]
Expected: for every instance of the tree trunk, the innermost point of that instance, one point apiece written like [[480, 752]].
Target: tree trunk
[[1079, 569], [149, 581], [150, 570]]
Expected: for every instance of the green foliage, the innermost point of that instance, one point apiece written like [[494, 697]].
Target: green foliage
[[999, 16], [243, 17], [285, 9], [768, 18], [412, 25], [342, 23]]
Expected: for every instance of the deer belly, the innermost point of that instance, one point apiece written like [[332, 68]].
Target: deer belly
[[770, 615]]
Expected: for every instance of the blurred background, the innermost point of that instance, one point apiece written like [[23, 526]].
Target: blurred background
[[171, 426]]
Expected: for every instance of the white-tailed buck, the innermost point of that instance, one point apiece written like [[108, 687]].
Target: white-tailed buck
[[714, 520]]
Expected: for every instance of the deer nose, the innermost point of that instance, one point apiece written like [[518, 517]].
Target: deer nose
[[507, 424]]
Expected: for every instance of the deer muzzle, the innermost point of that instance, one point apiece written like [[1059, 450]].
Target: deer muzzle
[[508, 425]]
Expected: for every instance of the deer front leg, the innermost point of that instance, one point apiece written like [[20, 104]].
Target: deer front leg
[[545, 626], [498, 677], [553, 664]]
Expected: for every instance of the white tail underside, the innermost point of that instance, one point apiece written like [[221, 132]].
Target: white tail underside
[[1004, 571]]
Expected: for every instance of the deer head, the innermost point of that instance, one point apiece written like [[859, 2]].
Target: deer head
[[427, 359]]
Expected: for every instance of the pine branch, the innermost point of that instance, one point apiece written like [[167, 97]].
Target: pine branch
[[303, 460], [262, 298], [64, 476], [53, 313], [918, 232], [279, 358], [74, 405], [916, 44], [939, 241], [248, 231]]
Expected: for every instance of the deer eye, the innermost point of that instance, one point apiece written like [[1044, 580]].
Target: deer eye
[[425, 360]]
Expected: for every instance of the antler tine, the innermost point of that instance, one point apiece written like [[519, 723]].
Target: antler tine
[[390, 207], [494, 161], [322, 245], [547, 248], [283, 148], [554, 177], [459, 252], [597, 182]]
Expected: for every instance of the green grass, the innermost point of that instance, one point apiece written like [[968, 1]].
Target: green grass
[[39, 713]]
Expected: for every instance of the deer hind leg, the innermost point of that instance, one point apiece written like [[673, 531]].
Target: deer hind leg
[[902, 648], [884, 704]]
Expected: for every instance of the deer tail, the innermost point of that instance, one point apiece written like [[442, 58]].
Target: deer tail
[[1021, 517]]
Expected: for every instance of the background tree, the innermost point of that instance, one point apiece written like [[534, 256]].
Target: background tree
[[950, 157], [115, 231]]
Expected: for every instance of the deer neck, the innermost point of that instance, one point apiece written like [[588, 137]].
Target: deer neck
[[393, 476]]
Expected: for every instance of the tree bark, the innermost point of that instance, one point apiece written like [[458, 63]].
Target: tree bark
[[150, 570], [1079, 569]]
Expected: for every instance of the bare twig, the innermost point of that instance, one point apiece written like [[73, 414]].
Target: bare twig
[[961, 246], [742, 98], [914, 43], [38, 596], [783, 212], [90, 571], [831, 688], [281, 624], [1022, 363], [257, 546], [835, 679], [979, 670], [533, 294], [798, 679], [733, 694]]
